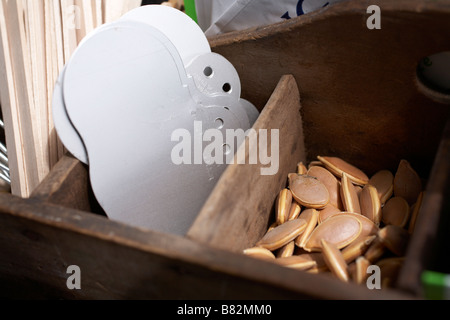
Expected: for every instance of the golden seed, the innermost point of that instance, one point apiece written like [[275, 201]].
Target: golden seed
[[308, 191], [330, 182], [272, 226], [301, 168], [349, 196], [338, 166], [375, 250], [415, 211], [294, 211], [327, 212], [310, 216], [390, 269], [370, 204], [407, 183], [357, 248], [358, 190], [396, 212], [351, 269], [315, 163], [334, 260], [282, 234], [383, 181], [283, 205], [314, 270], [296, 262], [395, 238], [368, 227], [260, 253], [299, 251], [287, 250], [361, 274], [339, 230], [317, 257]]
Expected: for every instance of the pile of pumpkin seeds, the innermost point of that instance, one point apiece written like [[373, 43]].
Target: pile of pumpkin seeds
[[333, 218]]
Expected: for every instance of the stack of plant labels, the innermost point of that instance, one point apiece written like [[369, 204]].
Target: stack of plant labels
[[37, 38], [148, 106]]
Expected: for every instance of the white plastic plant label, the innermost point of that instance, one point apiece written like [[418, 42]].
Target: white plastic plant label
[[222, 16]]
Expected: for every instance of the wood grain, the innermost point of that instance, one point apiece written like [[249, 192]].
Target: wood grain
[[428, 245], [237, 213], [359, 101], [358, 86], [122, 262], [67, 185]]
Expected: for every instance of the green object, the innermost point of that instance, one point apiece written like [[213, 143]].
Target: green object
[[190, 10], [436, 285]]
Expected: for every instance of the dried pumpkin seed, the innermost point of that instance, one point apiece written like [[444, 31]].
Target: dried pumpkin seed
[[296, 262], [308, 191], [357, 248], [338, 166], [314, 270], [361, 274], [407, 183], [358, 190], [415, 211], [272, 226], [334, 260], [330, 182], [301, 168], [368, 227], [260, 253], [315, 163], [294, 212], [370, 204], [287, 250], [396, 212], [327, 212], [389, 270], [349, 196], [383, 181], [282, 234], [317, 257], [283, 205], [375, 251], [395, 238], [311, 216], [339, 230]]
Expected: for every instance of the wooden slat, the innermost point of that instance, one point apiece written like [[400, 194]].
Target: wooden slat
[[113, 10], [69, 25], [97, 12], [236, 214], [67, 185], [36, 39], [10, 113], [157, 266], [30, 144], [425, 249], [87, 18]]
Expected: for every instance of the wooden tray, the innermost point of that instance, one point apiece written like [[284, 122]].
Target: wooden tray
[[359, 100]]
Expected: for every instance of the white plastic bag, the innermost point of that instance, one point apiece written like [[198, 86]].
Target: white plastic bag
[[221, 16]]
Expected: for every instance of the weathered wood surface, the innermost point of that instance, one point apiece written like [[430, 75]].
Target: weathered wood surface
[[358, 86], [67, 185], [238, 211], [39, 242], [359, 101], [429, 246]]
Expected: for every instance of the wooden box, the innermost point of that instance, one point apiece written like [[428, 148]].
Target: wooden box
[[332, 87]]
